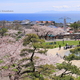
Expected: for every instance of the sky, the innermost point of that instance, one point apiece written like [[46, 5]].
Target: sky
[[36, 6]]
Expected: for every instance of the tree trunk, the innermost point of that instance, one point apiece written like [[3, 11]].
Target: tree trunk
[[63, 73], [32, 62], [16, 77], [10, 76]]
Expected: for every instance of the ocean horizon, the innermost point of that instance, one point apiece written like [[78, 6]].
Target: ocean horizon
[[57, 17]]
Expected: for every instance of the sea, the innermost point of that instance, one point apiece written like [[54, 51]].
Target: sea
[[57, 17]]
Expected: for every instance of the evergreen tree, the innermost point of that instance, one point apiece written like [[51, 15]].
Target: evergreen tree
[[35, 45], [68, 68]]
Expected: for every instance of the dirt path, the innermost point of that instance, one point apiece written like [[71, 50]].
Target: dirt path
[[51, 57], [4, 78], [55, 51], [62, 53]]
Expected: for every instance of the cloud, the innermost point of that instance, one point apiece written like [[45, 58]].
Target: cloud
[[59, 7], [65, 6], [32, 7], [78, 6]]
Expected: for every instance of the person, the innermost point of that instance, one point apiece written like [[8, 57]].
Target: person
[[61, 57], [10, 76], [59, 47], [57, 54], [63, 41], [66, 45]]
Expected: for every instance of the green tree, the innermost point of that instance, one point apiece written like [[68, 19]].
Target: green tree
[[75, 54], [25, 67], [35, 45], [66, 77], [75, 26], [3, 31], [75, 50], [69, 68]]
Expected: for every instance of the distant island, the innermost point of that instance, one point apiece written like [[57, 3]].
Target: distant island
[[52, 11]]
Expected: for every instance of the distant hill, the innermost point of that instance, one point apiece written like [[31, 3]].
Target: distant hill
[[52, 11]]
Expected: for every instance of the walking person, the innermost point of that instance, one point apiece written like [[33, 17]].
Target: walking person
[[59, 47], [63, 41]]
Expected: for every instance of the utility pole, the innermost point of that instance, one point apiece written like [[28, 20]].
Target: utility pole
[[64, 24]]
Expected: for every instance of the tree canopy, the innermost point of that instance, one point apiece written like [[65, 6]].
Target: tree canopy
[[75, 54], [34, 45], [3, 31], [75, 26], [69, 68]]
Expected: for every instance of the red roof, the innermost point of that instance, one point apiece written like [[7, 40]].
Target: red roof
[[71, 31]]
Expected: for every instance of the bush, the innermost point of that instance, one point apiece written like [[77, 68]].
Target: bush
[[42, 51], [63, 78], [72, 57], [75, 50], [75, 54]]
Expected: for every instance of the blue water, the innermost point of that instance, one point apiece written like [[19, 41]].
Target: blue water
[[44, 17]]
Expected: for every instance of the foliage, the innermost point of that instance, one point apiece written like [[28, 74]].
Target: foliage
[[78, 78], [3, 31], [31, 38], [42, 51], [75, 54], [15, 69], [17, 26], [68, 67], [1, 61], [75, 26], [18, 35], [66, 77], [24, 59], [35, 57], [75, 50], [4, 67], [72, 57], [26, 51], [19, 32], [35, 45], [14, 65], [46, 69]]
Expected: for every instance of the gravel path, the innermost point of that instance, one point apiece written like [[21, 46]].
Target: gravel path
[[51, 57]]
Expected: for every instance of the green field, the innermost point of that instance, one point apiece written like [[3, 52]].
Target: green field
[[61, 43]]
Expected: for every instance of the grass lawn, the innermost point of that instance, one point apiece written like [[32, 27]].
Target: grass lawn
[[61, 43]]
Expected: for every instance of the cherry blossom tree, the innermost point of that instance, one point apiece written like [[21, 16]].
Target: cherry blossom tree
[[44, 31]]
